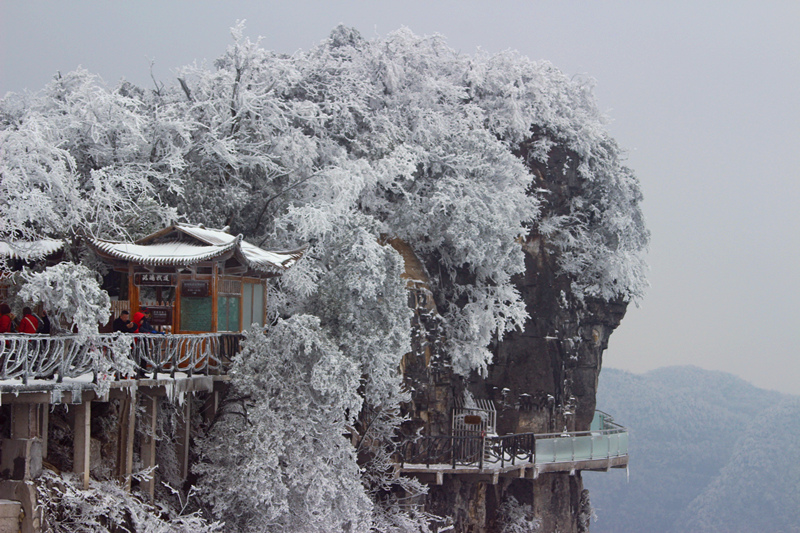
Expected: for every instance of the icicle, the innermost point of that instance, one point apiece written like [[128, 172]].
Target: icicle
[[627, 474], [170, 387]]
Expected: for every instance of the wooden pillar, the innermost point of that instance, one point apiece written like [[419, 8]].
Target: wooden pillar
[[127, 429], [184, 438], [148, 451], [176, 310], [242, 325], [82, 441], [263, 310], [133, 290], [214, 298]]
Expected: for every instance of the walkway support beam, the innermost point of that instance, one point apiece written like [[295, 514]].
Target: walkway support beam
[[127, 430], [82, 440], [148, 451], [184, 437]]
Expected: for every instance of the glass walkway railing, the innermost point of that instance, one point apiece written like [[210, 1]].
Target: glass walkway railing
[[606, 439]]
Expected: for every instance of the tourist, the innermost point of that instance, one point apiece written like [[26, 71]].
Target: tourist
[[44, 324], [6, 319], [29, 323], [123, 323], [144, 322]]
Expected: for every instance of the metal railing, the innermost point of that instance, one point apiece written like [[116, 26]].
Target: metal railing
[[27, 357], [522, 448]]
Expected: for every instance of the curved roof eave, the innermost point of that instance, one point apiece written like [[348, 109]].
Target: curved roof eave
[[215, 244], [163, 254]]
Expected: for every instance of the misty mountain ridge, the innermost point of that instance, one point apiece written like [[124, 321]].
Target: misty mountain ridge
[[708, 452]]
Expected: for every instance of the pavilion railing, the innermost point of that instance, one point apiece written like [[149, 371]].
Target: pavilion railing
[[27, 357]]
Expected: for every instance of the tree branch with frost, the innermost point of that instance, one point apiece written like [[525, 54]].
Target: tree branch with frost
[[70, 293], [186, 90], [106, 506], [277, 195], [228, 400]]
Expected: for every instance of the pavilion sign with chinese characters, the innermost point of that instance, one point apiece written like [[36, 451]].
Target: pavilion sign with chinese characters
[[160, 315], [156, 280], [194, 288]]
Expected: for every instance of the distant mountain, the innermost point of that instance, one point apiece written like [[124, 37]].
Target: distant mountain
[[708, 452]]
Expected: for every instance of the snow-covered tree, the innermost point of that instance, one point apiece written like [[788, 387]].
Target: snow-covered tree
[[289, 467], [70, 294], [424, 144], [80, 159], [106, 506], [517, 518]]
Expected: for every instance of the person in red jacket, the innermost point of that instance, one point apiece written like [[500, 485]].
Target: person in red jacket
[[142, 321], [29, 323], [6, 319], [137, 321]]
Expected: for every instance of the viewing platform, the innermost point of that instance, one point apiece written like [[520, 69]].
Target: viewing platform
[[135, 372], [526, 455]]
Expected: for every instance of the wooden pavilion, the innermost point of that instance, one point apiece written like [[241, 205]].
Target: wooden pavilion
[[195, 279]]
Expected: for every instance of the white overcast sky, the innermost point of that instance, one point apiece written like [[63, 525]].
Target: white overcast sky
[[704, 95]]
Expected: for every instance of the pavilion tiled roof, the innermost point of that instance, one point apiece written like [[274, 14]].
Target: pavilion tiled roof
[[170, 247]]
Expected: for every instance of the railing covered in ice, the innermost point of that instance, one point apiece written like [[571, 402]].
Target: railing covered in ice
[[27, 357]]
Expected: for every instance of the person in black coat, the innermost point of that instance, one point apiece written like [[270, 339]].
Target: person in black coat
[[123, 323], [44, 323]]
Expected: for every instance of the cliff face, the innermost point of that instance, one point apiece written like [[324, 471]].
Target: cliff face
[[543, 379]]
